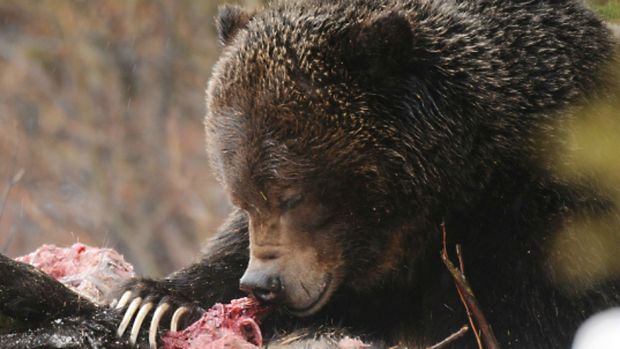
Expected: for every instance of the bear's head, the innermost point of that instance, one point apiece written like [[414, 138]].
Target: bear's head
[[320, 128]]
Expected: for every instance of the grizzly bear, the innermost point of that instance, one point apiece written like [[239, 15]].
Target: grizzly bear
[[346, 132]]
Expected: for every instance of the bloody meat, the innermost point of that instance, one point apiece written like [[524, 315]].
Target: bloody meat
[[223, 325]]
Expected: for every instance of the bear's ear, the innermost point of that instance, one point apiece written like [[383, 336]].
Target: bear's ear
[[383, 44], [230, 19]]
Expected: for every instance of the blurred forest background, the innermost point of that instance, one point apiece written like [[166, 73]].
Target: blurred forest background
[[101, 107], [101, 137]]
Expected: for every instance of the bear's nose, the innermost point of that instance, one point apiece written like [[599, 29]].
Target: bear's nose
[[265, 288]]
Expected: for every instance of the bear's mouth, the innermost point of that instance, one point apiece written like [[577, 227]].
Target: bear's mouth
[[318, 303]]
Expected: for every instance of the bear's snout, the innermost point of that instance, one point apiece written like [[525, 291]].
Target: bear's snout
[[264, 286]]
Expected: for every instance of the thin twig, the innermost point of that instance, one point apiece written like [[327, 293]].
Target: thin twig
[[456, 335], [469, 299], [458, 289], [459, 255], [444, 256], [5, 195]]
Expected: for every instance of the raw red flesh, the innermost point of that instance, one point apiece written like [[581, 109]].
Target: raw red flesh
[[233, 325], [90, 271]]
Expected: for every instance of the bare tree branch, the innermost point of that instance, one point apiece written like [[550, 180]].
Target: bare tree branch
[[469, 299], [456, 335]]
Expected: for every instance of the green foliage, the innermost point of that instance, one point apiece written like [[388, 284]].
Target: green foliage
[[589, 156], [610, 10]]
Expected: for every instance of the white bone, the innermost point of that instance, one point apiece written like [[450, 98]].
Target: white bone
[[159, 313], [174, 323], [124, 299], [133, 306], [135, 329]]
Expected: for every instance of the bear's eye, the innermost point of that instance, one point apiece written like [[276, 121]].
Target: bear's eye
[[309, 217], [291, 202]]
